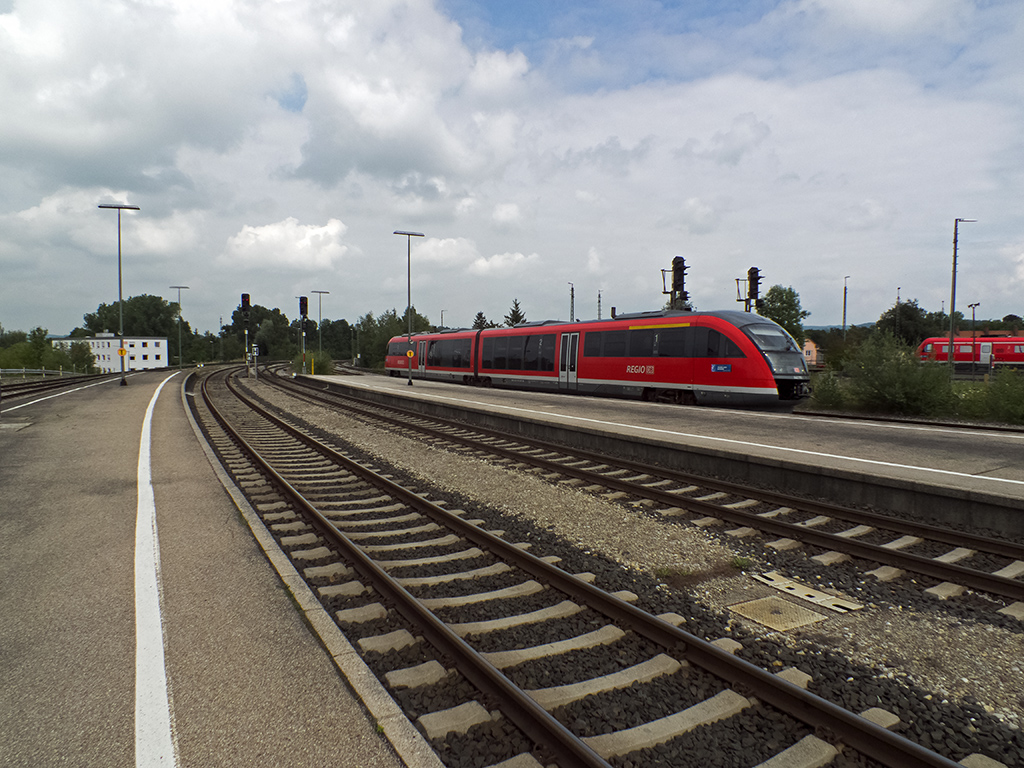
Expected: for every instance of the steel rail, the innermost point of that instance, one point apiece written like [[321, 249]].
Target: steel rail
[[536, 722], [968, 577], [888, 748]]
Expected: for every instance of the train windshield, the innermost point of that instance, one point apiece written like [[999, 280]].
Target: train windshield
[[771, 338]]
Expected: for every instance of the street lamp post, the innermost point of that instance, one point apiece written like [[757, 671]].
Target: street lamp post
[[319, 320], [121, 352], [844, 306], [974, 335], [179, 287], [408, 276], [952, 295]]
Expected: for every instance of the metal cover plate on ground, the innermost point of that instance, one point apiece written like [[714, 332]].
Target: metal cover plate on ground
[[776, 613], [795, 588]]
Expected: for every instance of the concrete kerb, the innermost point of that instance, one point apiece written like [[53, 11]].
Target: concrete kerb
[[403, 736], [845, 486]]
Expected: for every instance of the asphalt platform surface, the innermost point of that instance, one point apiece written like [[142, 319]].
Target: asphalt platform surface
[[249, 683]]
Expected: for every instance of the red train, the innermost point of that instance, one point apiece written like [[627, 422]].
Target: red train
[[983, 351], [684, 357]]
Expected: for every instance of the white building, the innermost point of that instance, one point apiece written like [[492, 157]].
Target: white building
[[142, 353]]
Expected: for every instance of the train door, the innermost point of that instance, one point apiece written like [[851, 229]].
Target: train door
[[422, 358], [985, 357], [567, 358]]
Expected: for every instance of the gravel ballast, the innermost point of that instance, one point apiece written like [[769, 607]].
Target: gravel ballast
[[953, 670]]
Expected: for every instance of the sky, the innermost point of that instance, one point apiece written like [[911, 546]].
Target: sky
[[544, 149]]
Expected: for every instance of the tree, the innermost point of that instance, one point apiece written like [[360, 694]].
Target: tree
[[269, 328], [144, 315], [910, 324], [480, 322], [783, 306], [515, 315], [376, 332]]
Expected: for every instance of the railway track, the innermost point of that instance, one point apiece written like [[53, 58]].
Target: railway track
[[461, 624], [946, 562], [10, 390]]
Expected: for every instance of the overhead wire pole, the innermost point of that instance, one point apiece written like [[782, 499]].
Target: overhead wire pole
[[952, 295], [179, 287], [408, 277], [121, 352]]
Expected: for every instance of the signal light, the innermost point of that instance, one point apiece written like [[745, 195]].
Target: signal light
[[753, 285], [679, 279], [302, 306], [245, 302]]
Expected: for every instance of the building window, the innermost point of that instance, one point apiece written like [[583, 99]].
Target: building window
[[145, 357], [157, 357], [145, 343]]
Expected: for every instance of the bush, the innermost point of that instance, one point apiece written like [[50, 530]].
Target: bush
[[1004, 397], [321, 365], [827, 390], [885, 376]]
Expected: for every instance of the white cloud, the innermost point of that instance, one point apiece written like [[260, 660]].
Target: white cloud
[[288, 245], [821, 138], [503, 264], [442, 252], [506, 214], [889, 16], [699, 217]]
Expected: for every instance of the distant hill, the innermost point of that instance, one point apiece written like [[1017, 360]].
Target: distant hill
[[838, 326]]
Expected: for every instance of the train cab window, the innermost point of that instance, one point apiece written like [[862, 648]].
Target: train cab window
[[641, 343], [771, 338], [515, 353]]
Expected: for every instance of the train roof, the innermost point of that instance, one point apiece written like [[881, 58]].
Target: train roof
[[739, 319]]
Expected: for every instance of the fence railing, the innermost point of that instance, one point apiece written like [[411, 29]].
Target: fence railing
[[27, 373]]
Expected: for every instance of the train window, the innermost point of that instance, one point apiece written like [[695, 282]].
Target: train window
[[515, 353], [641, 343], [592, 344], [531, 355], [547, 352], [487, 354], [675, 342], [501, 352], [613, 344], [434, 353]]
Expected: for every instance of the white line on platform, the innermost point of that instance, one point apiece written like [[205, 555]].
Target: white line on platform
[[154, 721], [730, 441]]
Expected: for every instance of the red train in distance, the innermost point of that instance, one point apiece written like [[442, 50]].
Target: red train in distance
[[727, 357], [983, 351]]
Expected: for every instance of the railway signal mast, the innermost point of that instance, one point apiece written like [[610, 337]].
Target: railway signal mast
[[679, 297], [245, 315], [303, 312], [752, 299]]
